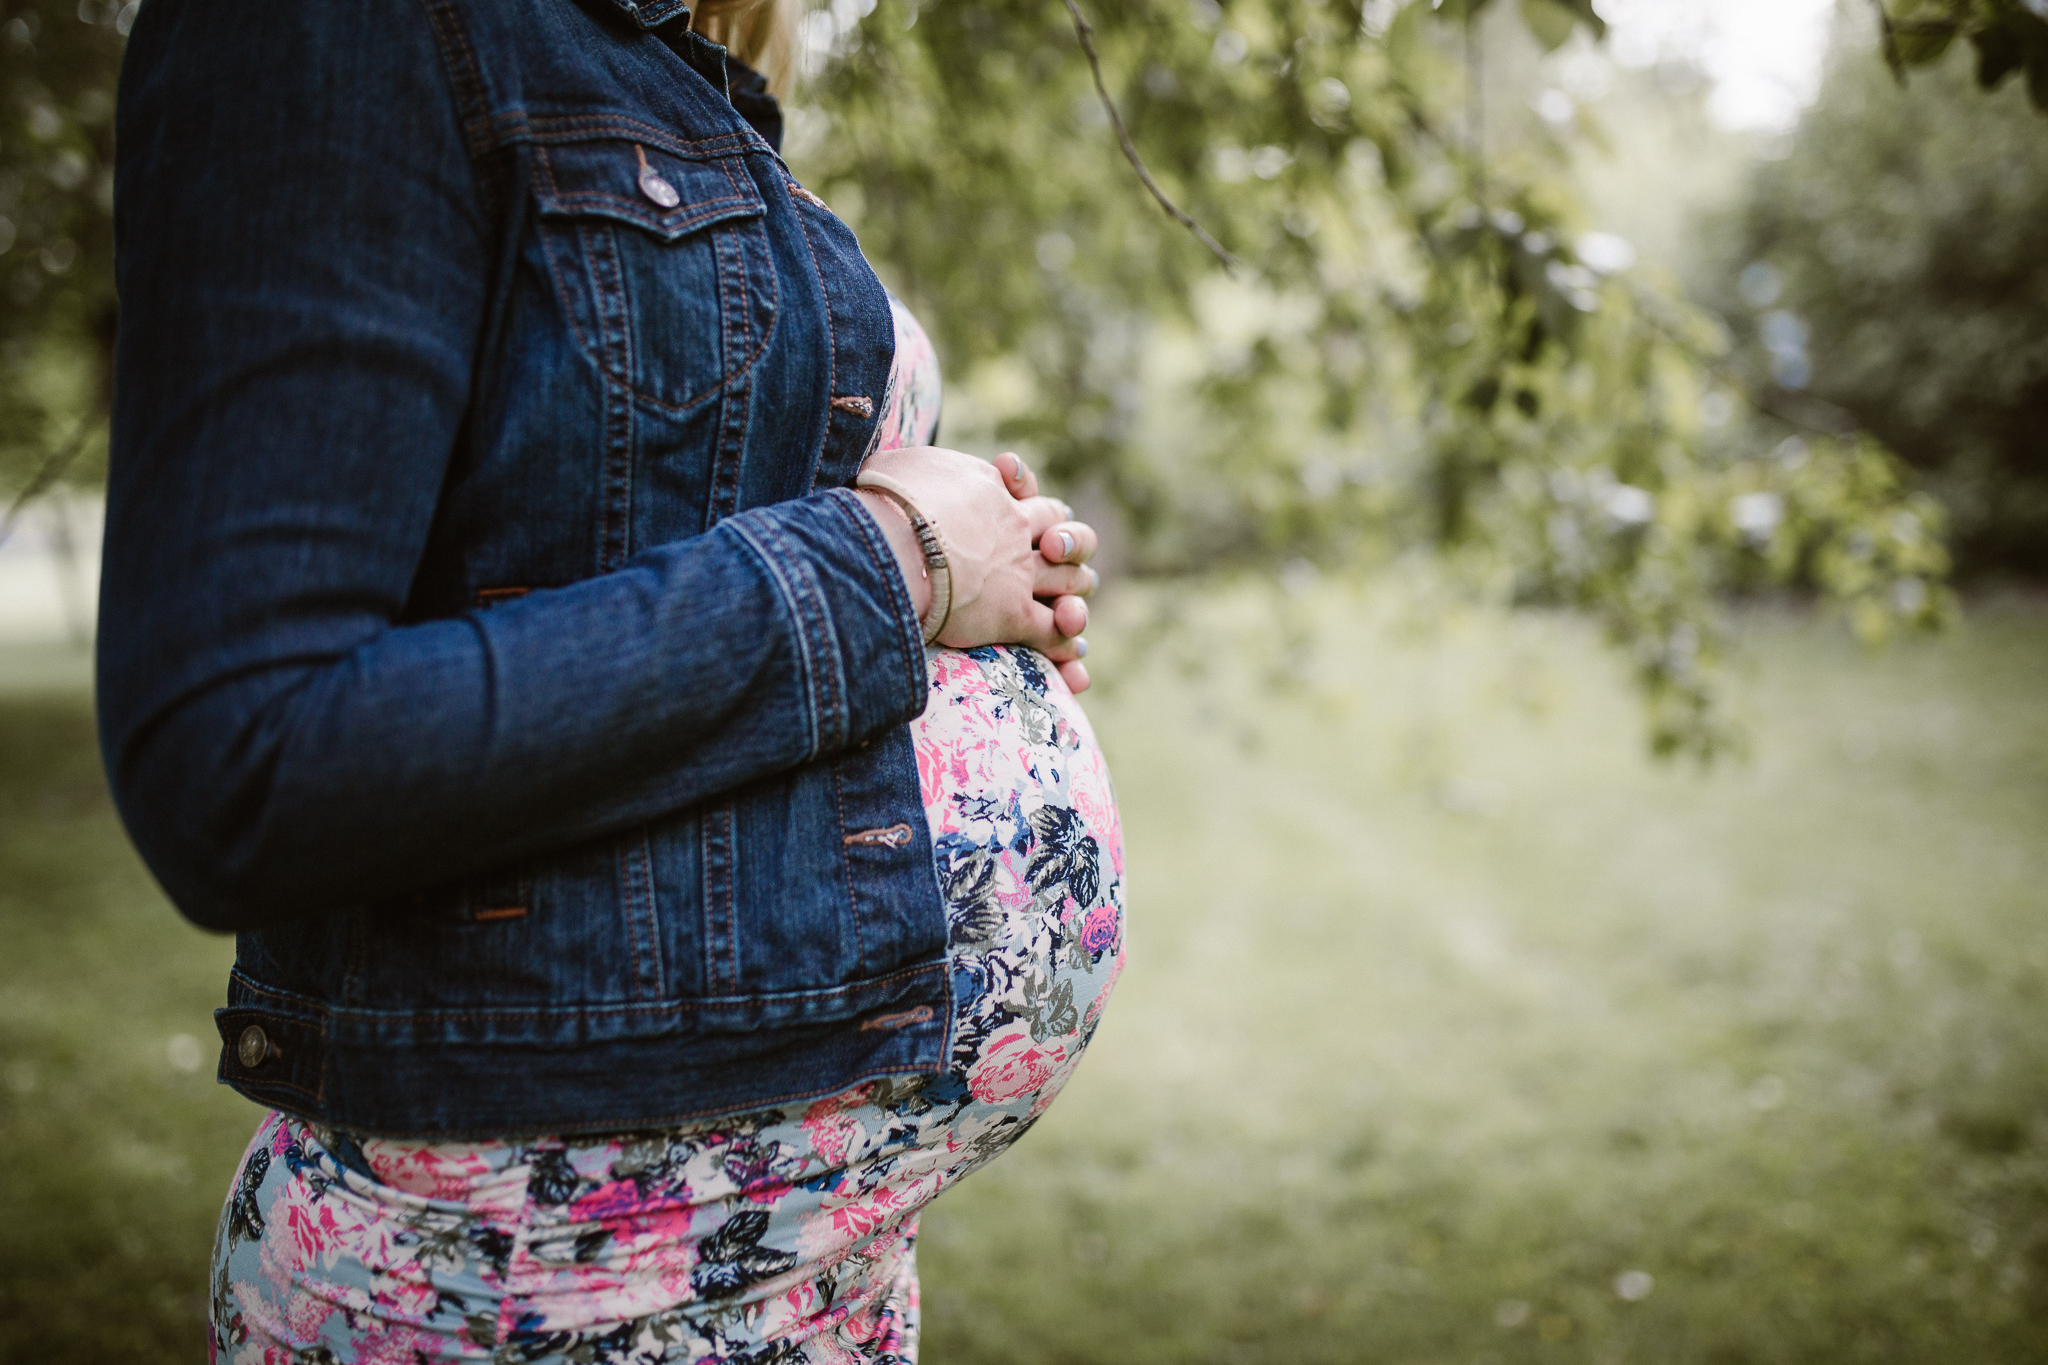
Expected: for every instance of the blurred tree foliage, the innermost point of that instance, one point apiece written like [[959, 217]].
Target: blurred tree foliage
[[1896, 266], [1422, 347], [57, 71], [2010, 38]]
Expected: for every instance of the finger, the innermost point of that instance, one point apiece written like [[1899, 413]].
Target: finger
[[1070, 617], [1041, 632], [1075, 675], [1068, 542], [1043, 514], [1064, 580], [1017, 476]]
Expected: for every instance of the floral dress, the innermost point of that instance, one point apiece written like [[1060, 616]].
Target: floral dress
[[784, 1235]]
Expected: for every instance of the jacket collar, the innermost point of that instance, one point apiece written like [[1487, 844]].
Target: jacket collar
[[652, 13], [669, 20]]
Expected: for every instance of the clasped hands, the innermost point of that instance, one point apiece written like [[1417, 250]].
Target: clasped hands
[[1018, 560]]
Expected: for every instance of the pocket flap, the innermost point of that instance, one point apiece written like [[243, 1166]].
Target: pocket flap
[[655, 190]]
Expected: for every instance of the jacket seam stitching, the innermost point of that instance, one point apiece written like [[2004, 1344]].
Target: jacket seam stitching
[[636, 876], [719, 920], [327, 1015], [463, 73], [909, 630], [615, 523], [709, 210], [729, 375], [794, 609], [705, 210], [831, 335], [516, 125], [860, 947]]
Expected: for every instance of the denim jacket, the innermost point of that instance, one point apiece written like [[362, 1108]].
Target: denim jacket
[[489, 634]]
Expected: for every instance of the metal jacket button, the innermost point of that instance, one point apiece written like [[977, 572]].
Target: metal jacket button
[[653, 186], [253, 1047]]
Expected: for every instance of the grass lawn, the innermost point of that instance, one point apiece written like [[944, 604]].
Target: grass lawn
[[115, 1144], [1455, 1029]]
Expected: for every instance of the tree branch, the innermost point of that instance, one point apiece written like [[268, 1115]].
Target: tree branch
[[1086, 33], [1893, 56], [1789, 406], [52, 470]]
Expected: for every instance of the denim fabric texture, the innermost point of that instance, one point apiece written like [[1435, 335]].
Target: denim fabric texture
[[489, 634]]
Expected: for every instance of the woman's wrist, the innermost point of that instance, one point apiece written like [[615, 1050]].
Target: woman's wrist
[[896, 528]]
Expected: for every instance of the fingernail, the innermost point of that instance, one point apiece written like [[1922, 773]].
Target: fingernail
[[1094, 578], [1080, 648], [1066, 543]]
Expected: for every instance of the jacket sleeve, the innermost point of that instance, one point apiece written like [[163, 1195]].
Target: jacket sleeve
[[302, 260]]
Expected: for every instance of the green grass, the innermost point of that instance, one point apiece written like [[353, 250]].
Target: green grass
[[113, 1159], [1446, 1008], [1443, 1001]]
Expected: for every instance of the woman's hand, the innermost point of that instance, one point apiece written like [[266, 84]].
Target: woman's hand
[[1006, 548], [1064, 578]]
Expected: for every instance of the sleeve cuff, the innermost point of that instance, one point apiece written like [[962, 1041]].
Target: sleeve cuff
[[859, 646]]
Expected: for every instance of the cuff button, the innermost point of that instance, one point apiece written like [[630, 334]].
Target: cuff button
[[252, 1049]]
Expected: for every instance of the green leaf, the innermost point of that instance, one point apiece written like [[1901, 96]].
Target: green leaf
[[1551, 21], [1998, 55], [1923, 41], [2030, 33], [1458, 11]]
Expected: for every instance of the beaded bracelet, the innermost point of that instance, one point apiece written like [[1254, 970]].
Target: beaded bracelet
[[934, 546]]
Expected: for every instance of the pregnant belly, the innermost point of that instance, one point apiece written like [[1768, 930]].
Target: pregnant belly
[[1030, 859]]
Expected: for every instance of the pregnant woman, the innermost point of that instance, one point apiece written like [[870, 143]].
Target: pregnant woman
[[638, 924]]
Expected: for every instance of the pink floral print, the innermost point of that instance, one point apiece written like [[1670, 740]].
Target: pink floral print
[[910, 412]]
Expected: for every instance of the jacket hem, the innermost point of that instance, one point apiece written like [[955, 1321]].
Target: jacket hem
[[448, 1088]]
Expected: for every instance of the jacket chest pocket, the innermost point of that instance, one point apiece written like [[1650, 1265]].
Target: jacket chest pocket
[[661, 262]]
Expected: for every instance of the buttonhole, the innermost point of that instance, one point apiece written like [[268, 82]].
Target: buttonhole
[[490, 597], [895, 836], [855, 404], [813, 200], [500, 912], [902, 1019]]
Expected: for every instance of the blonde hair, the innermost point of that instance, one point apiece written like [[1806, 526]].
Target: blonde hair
[[761, 33]]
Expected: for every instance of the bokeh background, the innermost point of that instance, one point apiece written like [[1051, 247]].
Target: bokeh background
[[1573, 666]]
